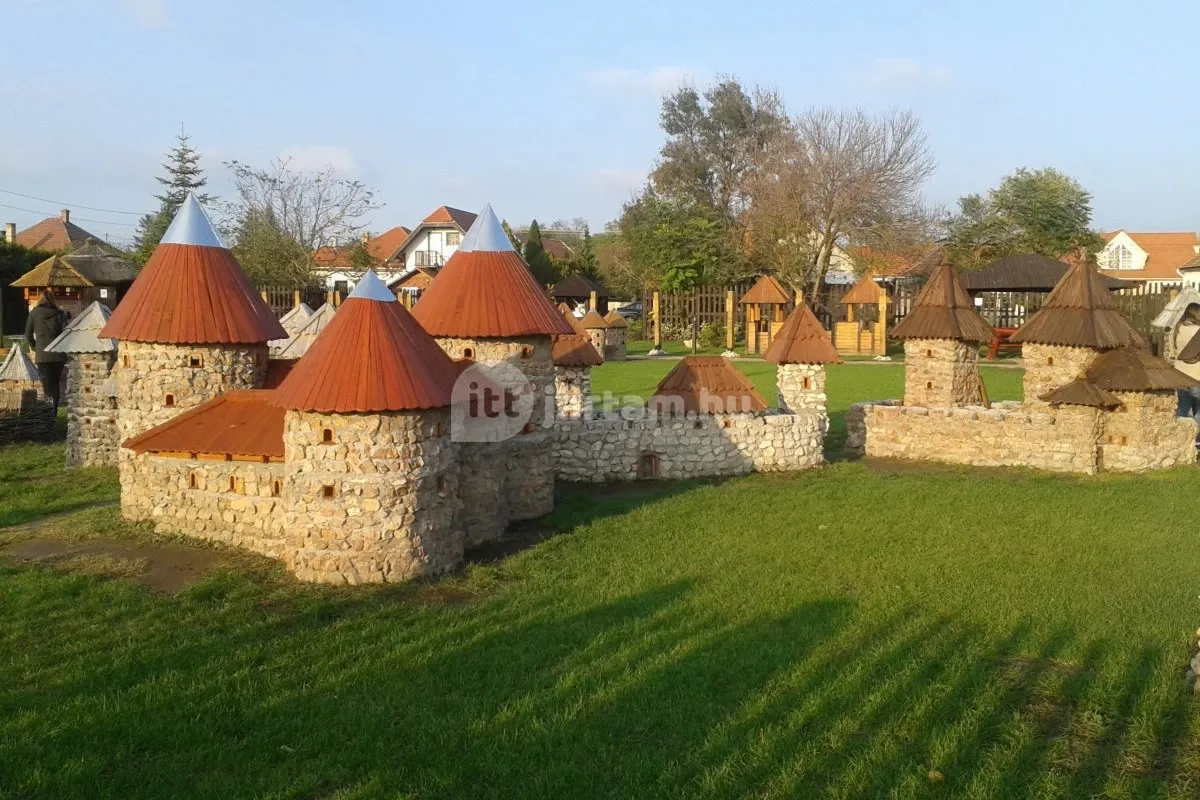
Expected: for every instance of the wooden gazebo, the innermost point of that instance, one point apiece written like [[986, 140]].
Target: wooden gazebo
[[761, 327], [854, 336]]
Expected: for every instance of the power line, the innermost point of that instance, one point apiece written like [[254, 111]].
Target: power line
[[81, 219], [71, 205]]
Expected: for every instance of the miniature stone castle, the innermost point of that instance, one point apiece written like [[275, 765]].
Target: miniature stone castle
[[1093, 399], [93, 437]]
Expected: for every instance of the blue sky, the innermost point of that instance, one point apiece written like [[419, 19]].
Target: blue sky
[[551, 110]]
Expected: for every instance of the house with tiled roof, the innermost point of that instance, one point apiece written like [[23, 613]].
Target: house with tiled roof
[[334, 262], [53, 234], [1153, 259], [434, 240]]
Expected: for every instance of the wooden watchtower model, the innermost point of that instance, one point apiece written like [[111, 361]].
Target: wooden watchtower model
[[761, 328], [854, 336]]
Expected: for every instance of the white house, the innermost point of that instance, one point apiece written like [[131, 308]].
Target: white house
[[433, 241], [1153, 259]]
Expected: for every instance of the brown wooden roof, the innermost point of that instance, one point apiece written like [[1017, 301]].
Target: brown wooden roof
[[768, 289], [188, 294], [92, 264], [1080, 312], [1081, 392], [866, 291], [575, 350], [240, 423], [571, 319], [802, 340], [1127, 369], [705, 385], [578, 286], [54, 271], [1023, 272], [944, 310], [615, 320], [592, 320], [372, 357]]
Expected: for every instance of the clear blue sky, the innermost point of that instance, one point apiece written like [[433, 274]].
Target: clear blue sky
[[551, 109]]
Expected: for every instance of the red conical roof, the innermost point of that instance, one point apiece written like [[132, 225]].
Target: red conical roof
[[802, 340], [372, 357], [486, 291], [192, 291]]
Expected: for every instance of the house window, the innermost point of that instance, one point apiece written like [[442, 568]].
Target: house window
[[648, 467], [441, 484], [1050, 361], [126, 361], [468, 352], [276, 488], [806, 384], [928, 384], [453, 238], [341, 288], [193, 483], [439, 431], [327, 491], [169, 401], [327, 436], [195, 361], [1120, 257], [929, 354]]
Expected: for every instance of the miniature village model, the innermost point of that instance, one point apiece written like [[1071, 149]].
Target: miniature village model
[[378, 444], [1094, 399]]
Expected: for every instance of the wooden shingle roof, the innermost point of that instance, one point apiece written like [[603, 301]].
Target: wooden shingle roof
[[944, 310], [802, 340], [767, 289], [1080, 312], [705, 385]]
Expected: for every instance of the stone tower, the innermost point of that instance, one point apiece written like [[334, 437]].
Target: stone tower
[[615, 336], [190, 328], [801, 349], [1079, 321], [91, 397], [486, 307], [941, 337], [597, 330], [371, 481]]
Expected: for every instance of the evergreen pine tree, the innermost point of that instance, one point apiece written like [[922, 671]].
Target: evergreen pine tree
[[512, 237], [587, 254], [183, 174], [535, 256]]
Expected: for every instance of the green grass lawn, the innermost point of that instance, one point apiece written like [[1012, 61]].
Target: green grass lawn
[[863, 630], [34, 484]]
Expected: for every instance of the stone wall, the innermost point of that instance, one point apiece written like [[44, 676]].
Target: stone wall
[[1049, 366], [572, 391], [529, 474], [801, 387], [190, 374], [377, 504], [1064, 439], [92, 435], [483, 480], [614, 344], [941, 373], [1145, 434], [233, 502], [597, 335], [620, 446]]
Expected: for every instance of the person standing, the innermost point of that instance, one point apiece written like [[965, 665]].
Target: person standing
[[46, 321]]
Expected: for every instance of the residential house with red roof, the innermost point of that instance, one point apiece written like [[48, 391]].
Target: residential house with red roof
[[1153, 259], [53, 234]]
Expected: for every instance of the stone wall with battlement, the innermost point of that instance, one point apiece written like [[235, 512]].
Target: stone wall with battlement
[[634, 444], [572, 392], [1144, 436]]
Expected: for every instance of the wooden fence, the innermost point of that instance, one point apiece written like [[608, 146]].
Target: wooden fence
[[283, 299]]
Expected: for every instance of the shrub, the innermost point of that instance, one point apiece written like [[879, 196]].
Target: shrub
[[712, 334]]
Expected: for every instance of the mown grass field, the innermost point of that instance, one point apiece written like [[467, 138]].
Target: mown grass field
[[864, 630]]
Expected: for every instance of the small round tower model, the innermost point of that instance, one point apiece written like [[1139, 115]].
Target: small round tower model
[[801, 348], [190, 328], [941, 337], [371, 479], [486, 307], [615, 332], [597, 330], [91, 397]]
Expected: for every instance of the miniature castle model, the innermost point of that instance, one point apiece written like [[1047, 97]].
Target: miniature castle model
[[614, 337], [24, 413], [574, 356], [801, 350], [1093, 401], [292, 322], [596, 329], [91, 392], [297, 344]]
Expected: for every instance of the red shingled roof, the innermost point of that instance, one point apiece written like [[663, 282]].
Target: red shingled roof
[[188, 294], [486, 290], [239, 423], [385, 245], [54, 234], [373, 356], [444, 214]]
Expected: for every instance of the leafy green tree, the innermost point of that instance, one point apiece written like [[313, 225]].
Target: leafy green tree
[[1032, 211], [676, 247], [15, 261], [182, 174], [586, 258], [268, 254], [535, 256], [512, 237]]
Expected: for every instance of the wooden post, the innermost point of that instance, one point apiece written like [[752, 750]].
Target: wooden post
[[849, 312], [695, 318], [264, 297], [799, 296], [329, 298], [729, 320], [296, 298], [881, 329], [592, 301], [657, 320]]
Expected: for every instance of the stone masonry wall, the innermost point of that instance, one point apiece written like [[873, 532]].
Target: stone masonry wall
[[611, 447], [92, 435], [801, 387], [941, 373], [483, 481], [377, 504], [596, 335], [1049, 366], [572, 391], [529, 470], [1145, 435], [614, 344], [197, 498], [147, 373]]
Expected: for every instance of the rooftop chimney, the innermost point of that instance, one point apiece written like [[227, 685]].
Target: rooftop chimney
[[65, 215], [10, 232]]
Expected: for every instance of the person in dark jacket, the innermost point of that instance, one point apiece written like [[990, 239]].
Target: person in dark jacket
[[46, 321]]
